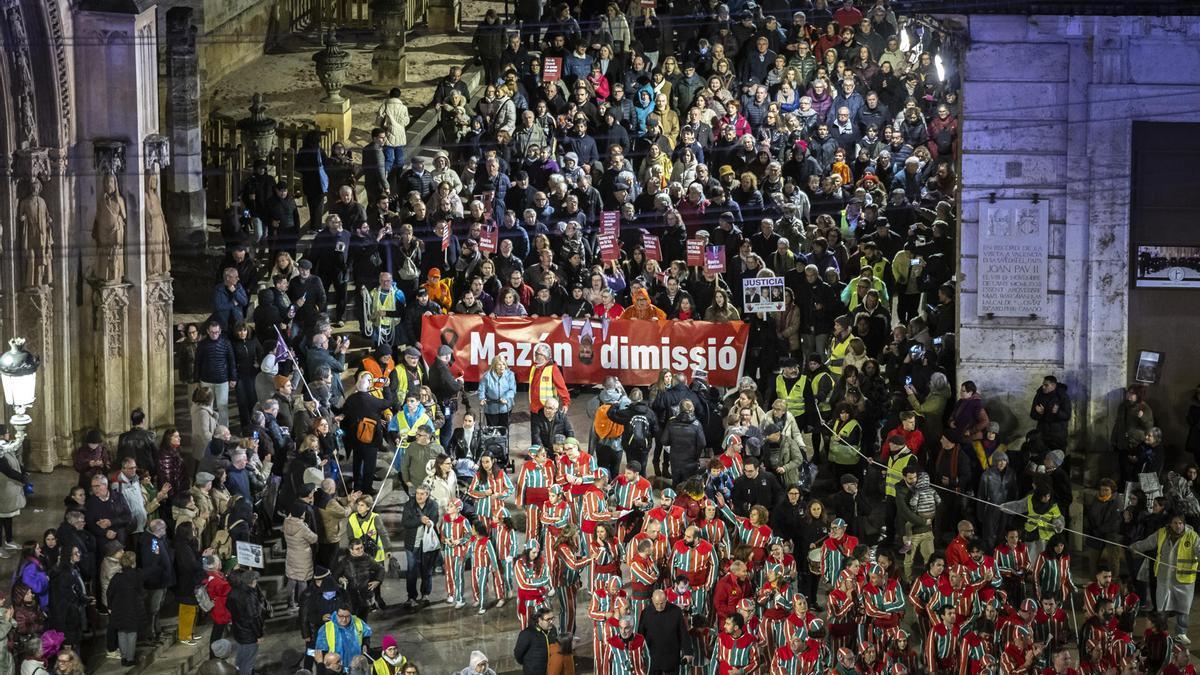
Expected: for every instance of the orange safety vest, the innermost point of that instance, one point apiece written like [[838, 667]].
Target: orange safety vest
[[381, 374]]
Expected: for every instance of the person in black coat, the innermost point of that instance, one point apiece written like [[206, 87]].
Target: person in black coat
[[316, 608], [666, 632], [685, 438], [138, 443], [446, 387], [787, 518], [420, 511], [125, 605], [532, 650], [68, 599], [71, 532], [156, 560], [1051, 409], [848, 504], [754, 488], [245, 604]]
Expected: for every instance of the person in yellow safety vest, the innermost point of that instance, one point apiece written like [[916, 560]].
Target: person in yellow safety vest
[[383, 373], [410, 418], [1175, 567], [344, 634], [387, 310], [1045, 518], [816, 387], [899, 456], [390, 661], [839, 344], [364, 524], [789, 386], [411, 373]]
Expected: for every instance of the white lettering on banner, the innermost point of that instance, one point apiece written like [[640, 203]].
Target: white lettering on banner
[[1014, 247], [618, 354], [484, 348]]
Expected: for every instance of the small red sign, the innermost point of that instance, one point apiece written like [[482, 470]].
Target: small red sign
[[552, 69], [489, 238], [609, 250], [650, 243], [714, 258], [695, 252]]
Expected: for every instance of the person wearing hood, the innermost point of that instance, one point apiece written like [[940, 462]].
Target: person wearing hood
[[477, 665], [1051, 409], [997, 486], [317, 606], [969, 419]]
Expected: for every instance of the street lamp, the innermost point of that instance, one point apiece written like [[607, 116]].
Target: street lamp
[[18, 374]]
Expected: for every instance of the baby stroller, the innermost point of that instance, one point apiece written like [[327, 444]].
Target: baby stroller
[[495, 443], [464, 472]]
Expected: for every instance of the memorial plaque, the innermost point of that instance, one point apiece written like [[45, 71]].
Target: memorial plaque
[[1014, 248]]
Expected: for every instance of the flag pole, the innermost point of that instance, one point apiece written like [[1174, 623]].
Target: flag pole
[[292, 355]]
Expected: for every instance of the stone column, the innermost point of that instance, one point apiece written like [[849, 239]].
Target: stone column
[[183, 185], [389, 67], [159, 293], [35, 300], [110, 315]]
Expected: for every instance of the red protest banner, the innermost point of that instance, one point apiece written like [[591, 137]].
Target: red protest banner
[[610, 223], [635, 351], [489, 238], [650, 243], [609, 250], [695, 252], [714, 258], [552, 69]]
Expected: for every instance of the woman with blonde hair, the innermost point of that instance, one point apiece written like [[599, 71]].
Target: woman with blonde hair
[[498, 393]]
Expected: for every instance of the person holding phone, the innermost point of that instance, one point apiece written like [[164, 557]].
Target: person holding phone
[[330, 253]]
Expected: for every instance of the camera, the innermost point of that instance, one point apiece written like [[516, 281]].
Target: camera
[[908, 380], [937, 342]]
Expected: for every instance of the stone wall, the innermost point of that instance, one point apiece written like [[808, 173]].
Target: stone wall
[[230, 34], [1048, 106]]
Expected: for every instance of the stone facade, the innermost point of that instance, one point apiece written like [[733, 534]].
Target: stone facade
[[78, 102], [1049, 104]]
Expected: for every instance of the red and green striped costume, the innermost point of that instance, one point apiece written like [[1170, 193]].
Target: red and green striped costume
[[533, 582], [488, 504], [775, 602], [982, 573], [1095, 591], [456, 534], [794, 624], [606, 562], [485, 570], [883, 609], [504, 540], [806, 662], [840, 617], [972, 648], [627, 657], [1053, 576], [699, 564], [730, 653], [601, 608], [717, 534], [732, 463], [919, 596], [941, 649], [568, 566], [672, 522], [834, 555], [533, 485], [643, 573], [629, 493], [746, 533]]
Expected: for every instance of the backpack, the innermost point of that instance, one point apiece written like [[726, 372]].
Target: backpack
[[605, 428], [407, 271], [222, 541], [203, 599], [639, 431], [365, 431]]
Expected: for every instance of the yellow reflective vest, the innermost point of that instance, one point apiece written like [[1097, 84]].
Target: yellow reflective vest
[[794, 397], [895, 471], [370, 528], [1042, 523], [813, 382], [1186, 565], [837, 354]]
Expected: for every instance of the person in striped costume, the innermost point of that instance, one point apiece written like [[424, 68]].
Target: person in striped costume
[[836, 550], [701, 635], [680, 594], [1052, 571], [942, 644], [923, 590], [485, 568], [1103, 588], [605, 553], [846, 663], [504, 539], [1012, 559], [735, 652], [840, 606], [555, 515], [634, 494], [607, 602], [670, 518], [900, 654], [643, 577], [883, 606], [775, 602], [713, 529], [978, 642], [534, 479], [870, 662], [752, 531], [1015, 618], [731, 458], [567, 577], [456, 535], [627, 651], [790, 658], [1050, 624], [780, 560], [748, 608], [490, 487], [577, 474], [1100, 630], [979, 569], [533, 581], [658, 544], [1021, 653], [696, 559], [953, 591], [594, 509], [801, 621]]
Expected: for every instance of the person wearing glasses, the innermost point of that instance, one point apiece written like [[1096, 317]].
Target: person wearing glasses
[[533, 643]]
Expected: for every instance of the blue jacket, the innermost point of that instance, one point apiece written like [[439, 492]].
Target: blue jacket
[[229, 308], [215, 361], [493, 387]]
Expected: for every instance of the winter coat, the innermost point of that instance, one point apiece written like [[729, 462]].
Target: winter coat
[[968, 420], [685, 436], [171, 470], [300, 539], [85, 454], [1052, 423], [215, 361], [392, 117], [1104, 520], [156, 562], [789, 452], [494, 387], [33, 575], [532, 650], [204, 425], [124, 601], [12, 482], [188, 571], [410, 520], [68, 603], [246, 607], [931, 411], [218, 591]]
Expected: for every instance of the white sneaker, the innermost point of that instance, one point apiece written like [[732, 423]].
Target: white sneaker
[[500, 603], [1183, 639], [12, 545], [449, 601], [460, 604], [481, 611], [113, 655]]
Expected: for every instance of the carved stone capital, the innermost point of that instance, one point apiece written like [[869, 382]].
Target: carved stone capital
[[160, 297], [32, 163], [112, 303], [110, 156], [157, 150]]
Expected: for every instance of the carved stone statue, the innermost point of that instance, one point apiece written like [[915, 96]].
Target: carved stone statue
[[158, 244], [37, 236], [108, 231]]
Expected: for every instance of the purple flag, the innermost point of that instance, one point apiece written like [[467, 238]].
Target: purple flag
[[282, 353]]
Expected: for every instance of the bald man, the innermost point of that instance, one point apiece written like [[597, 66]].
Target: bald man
[[665, 629]]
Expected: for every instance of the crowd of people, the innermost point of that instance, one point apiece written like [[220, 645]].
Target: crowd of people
[[848, 507]]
